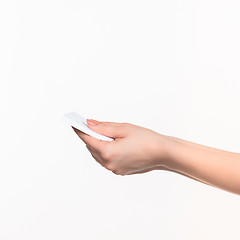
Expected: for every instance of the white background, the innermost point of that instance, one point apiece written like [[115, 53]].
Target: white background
[[172, 66]]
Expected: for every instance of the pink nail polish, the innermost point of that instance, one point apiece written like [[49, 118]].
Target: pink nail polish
[[92, 122]]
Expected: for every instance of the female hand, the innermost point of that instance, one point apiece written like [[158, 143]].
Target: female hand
[[135, 149]]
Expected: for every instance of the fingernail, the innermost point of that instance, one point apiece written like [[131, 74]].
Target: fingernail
[[92, 122]]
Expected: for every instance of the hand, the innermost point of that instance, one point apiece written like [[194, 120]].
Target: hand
[[135, 149]]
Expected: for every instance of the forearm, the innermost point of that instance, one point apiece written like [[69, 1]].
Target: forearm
[[209, 165]]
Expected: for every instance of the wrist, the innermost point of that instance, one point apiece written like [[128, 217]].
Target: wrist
[[171, 147]]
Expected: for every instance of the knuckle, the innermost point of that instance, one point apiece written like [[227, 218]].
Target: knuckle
[[109, 166], [106, 156], [118, 172]]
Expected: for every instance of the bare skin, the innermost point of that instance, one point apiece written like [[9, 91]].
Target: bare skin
[[136, 150]]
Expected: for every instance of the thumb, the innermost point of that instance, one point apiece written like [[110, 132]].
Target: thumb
[[109, 129]]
